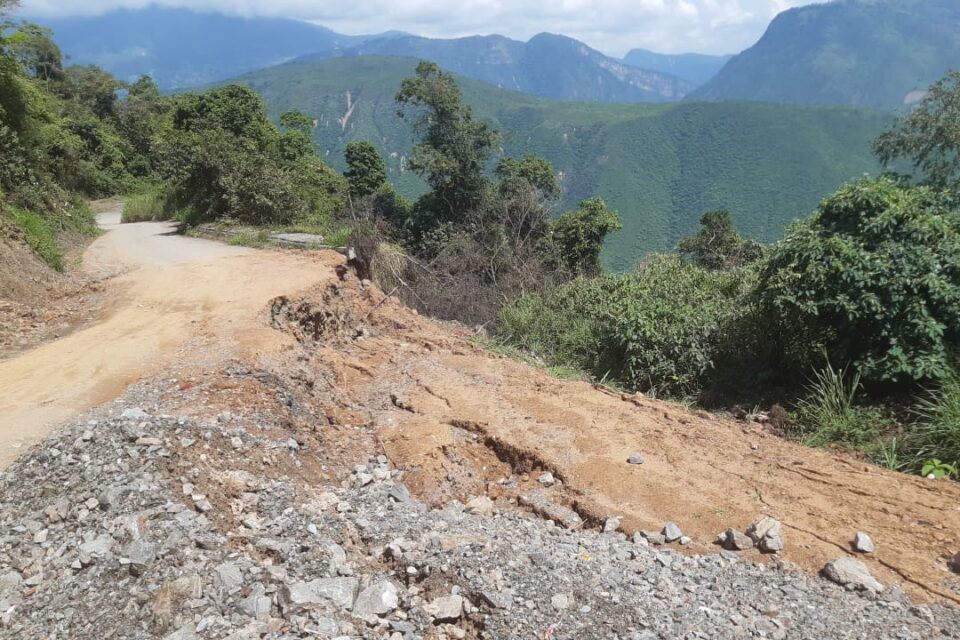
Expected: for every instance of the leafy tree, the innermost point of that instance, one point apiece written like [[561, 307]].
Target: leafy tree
[[233, 109], [930, 135], [717, 245], [531, 171], [454, 148], [366, 171], [296, 121], [144, 89], [93, 88], [872, 278], [577, 237], [35, 50]]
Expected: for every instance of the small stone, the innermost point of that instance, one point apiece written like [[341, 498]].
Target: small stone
[[340, 591], [736, 541], [612, 524], [863, 543], [654, 538], [201, 503], [446, 609], [635, 458], [135, 413], [767, 534], [399, 493], [560, 601], [236, 442], [851, 573], [378, 599], [671, 532], [40, 536], [547, 479], [685, 540], [481, 506]]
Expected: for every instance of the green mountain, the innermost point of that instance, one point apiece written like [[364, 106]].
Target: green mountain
[[551, 66], [660, 166], [180, 47], [879, 53], [695, 68]]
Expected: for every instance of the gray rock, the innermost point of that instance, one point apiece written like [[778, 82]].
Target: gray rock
[[498, 599], [228, 577], [186, 632], [851, 573], [135, 413], [671, 532], [100, 546], [767, 534], [547, 479], [11, 589], [257, 605], [481, 506], [736, 541], [560, 602], [399, 493], [653, 537], [378, 599], [340, 591], [139, 553], [863, 543], [635, 458], [612, 524], [446, 609]]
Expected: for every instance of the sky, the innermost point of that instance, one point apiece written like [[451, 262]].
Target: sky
[[612, 26]]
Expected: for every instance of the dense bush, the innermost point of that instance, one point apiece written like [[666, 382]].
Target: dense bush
[[872, 279], [665, 328]]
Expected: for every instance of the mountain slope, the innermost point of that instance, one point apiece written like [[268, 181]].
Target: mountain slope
[[660, 166], [879, 53], [549, 65], [180, 47], [695, 68]]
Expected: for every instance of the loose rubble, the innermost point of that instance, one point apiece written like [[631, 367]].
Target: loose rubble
[[102, 535]]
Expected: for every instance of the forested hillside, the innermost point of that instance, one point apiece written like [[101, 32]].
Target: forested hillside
[[879, 53], [660, 166]]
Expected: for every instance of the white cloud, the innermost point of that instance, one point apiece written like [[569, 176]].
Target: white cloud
[[613, 26]]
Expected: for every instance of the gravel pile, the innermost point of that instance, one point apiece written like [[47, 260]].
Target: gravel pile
[[142, 527]]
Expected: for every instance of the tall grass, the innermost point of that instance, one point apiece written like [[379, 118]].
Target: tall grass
[[936, 435], [149, 206], [829, 414], [40, 235]]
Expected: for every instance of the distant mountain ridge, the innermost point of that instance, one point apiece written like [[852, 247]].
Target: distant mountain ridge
[[878, 53], [660, 165], [695, 68], [181, 47], [548, 65]]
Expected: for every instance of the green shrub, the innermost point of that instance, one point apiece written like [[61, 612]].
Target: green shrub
[[829, 413], [664, 329], [40, 236], [873, 278], [936, 435]]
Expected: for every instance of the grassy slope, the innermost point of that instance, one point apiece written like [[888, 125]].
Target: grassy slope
[[660, 166]]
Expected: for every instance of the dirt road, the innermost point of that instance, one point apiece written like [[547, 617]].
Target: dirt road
[[179, 300]]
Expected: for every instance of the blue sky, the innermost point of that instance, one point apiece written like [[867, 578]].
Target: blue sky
[[613, 26]]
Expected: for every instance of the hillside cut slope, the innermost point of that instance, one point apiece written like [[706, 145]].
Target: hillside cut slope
[[660, 166], [877, 53]]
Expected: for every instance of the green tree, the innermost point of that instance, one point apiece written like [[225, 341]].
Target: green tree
[[576, 238], [35, 50], [929, 136], [296, 121], [717, 245], [872, 278], [530, 171], [366, 171], [93, 88], [454, 148]]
